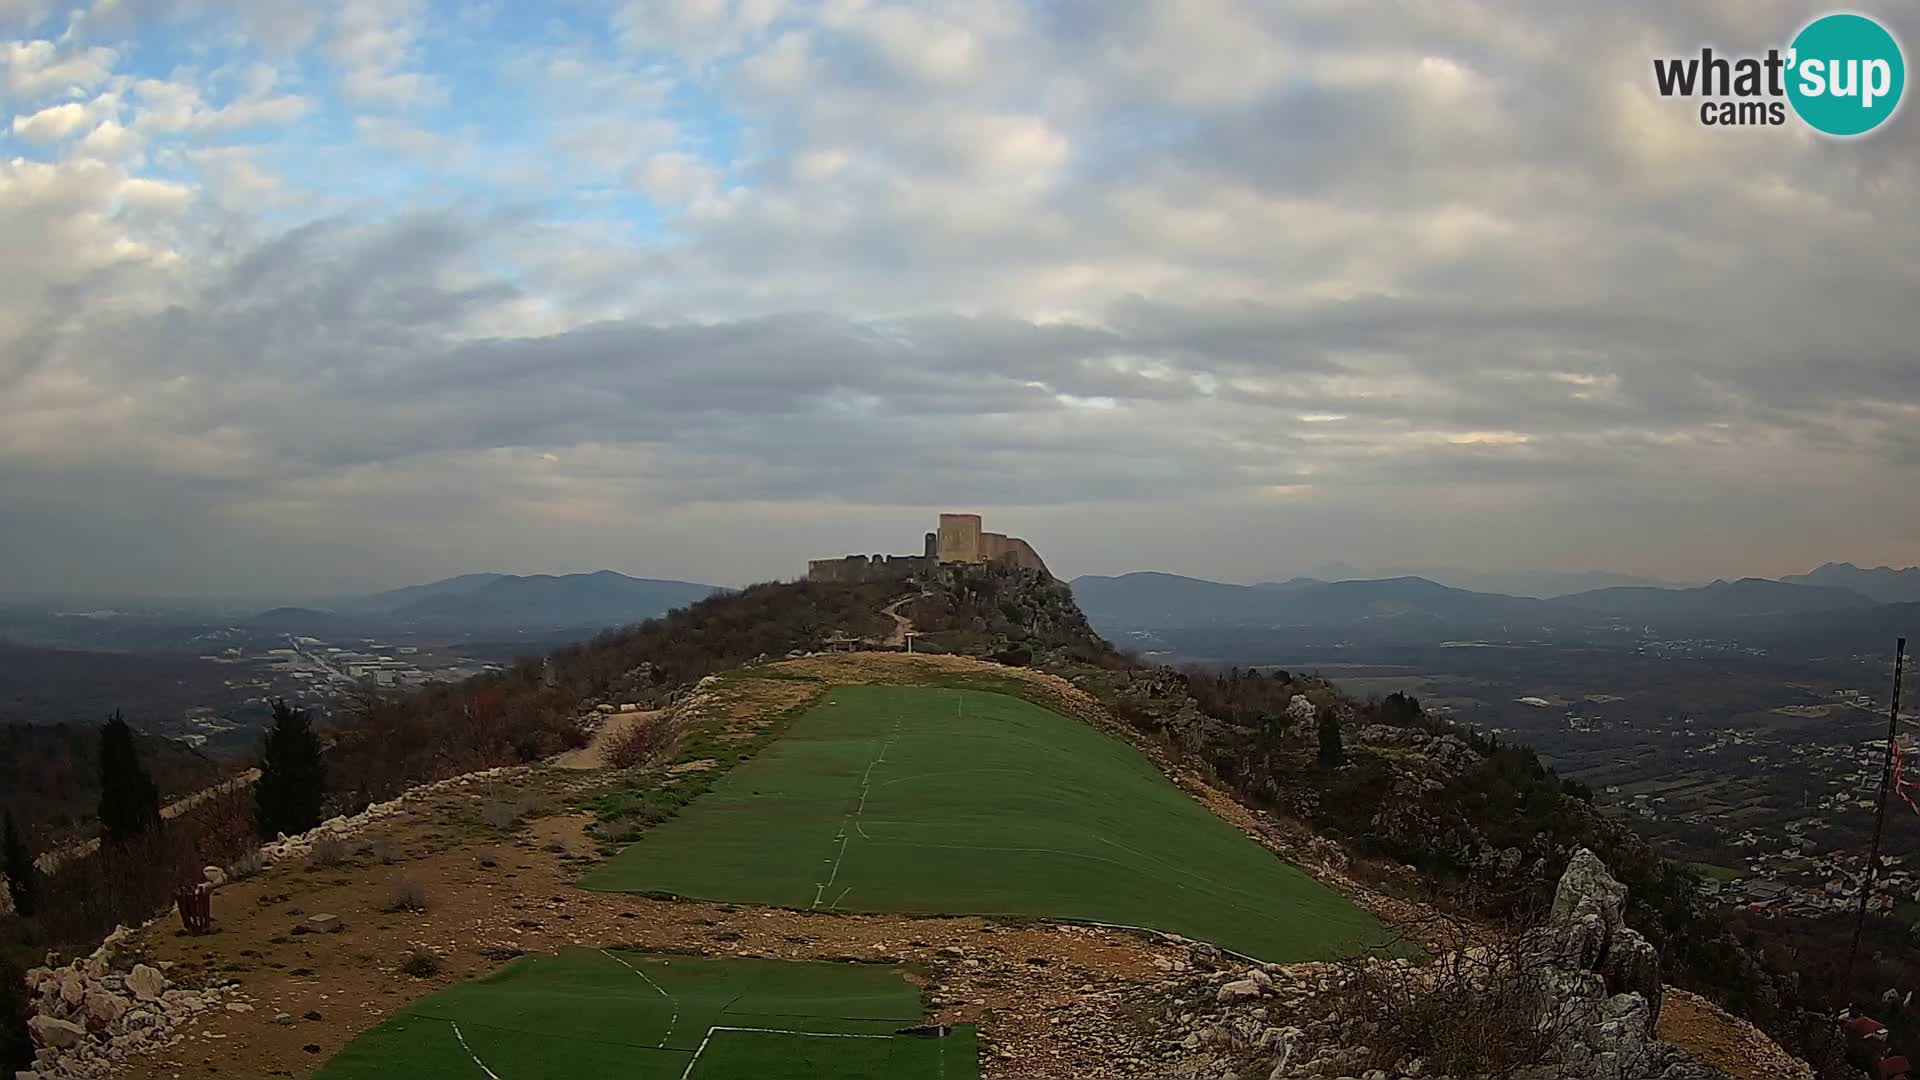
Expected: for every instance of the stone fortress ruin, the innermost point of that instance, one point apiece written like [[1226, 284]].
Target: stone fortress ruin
[[959, 539]]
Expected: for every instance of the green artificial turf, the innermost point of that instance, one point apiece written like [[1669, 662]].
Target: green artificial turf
[[653, 1017], [946, 801]]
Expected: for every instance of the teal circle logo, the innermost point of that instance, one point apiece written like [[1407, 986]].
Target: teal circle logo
[[1846, 74]]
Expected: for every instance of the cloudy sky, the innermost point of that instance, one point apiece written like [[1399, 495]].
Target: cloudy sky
[[303, 296]]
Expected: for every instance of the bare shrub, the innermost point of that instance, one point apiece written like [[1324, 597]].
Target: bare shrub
[[641, 743], [328, 852], [82, 898], [498, 814], [1484, 1008], [406, 894], [421, 964], [384, 850], [248, 864]]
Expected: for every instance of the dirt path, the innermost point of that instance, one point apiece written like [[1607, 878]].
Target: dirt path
[[594, 754], [902, 626]]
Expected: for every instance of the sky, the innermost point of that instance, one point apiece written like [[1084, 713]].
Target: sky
[[304, 297]]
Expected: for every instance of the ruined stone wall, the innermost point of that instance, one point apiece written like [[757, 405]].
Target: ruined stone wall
[[959, 539], [1021, 554], [861, 568]]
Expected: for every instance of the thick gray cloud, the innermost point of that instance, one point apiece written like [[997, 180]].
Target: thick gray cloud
[[1227, 288]]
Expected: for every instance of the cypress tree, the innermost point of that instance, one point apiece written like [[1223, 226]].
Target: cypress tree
[[129, 800], [1333, 750], [19, 868], [293, 777]]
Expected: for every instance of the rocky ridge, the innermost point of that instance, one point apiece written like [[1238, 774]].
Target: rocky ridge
[[1594, 992]]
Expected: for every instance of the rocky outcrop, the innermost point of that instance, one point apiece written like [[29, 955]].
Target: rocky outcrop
[[1587, 931], [89, 1015], [1589, 984]]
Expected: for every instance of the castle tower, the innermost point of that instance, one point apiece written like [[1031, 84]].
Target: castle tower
[[959, 539]]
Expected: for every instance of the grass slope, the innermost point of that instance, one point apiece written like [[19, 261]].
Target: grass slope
[[945, 801], [652, 1017]]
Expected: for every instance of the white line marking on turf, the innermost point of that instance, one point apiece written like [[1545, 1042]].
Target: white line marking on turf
[[663, 993], [688, 1071], [476, 1057], [866, 783], [837, 899]]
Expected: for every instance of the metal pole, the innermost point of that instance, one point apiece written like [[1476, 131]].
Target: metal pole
[[1879, 821]]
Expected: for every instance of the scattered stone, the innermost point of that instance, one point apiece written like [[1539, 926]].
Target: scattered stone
[[1238, 990], [58, 1034], [146, 983], [103, 1008], [324, 924]]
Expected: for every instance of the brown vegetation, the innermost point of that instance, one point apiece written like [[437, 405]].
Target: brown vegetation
[[406, 894], [128, 882], [640, 743]]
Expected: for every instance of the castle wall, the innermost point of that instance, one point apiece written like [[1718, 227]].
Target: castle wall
[[859, 568], [1021, 554], [959, 539]]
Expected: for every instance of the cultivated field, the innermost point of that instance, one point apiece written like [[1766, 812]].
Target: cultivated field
[[655, 1017], [946, 801]]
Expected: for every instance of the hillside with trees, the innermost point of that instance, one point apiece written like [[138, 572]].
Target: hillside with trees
[[1423, 809]]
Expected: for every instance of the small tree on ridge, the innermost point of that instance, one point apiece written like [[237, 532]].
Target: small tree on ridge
[[293, 777], [129, 800], [1333, 750]]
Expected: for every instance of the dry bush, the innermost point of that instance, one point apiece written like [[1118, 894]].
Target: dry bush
[[421, 964], [406, 894], [499, 814], [328, 852], [641, 744], [132, 881], [248, 864], [1484, 1009], [384, 850]]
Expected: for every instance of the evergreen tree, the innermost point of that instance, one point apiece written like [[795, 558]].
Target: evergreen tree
[[293, 777], [19, 868], [1333, 751], [129, 800]]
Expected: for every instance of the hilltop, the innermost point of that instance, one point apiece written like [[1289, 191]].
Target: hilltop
[[1418, 821]]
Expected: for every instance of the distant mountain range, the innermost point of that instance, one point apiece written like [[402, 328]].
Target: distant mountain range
[[1882, 583], [1539, 584], [1405, 607], [499, 601]]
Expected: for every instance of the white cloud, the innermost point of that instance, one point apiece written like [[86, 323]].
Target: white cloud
[[675, 177], [173, 106], [258, 112], [166, 105], [156, 194], [111, 140], [373, 43], [236, 180], [1353, 254], [52, 123], [38, 69], [697, 29]]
